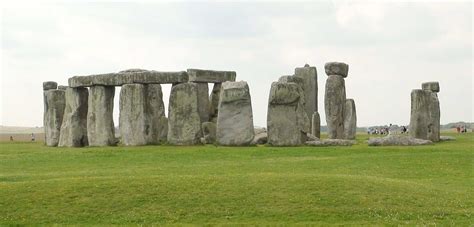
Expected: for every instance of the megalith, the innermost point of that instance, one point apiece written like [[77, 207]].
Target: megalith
[[100, 122], [420, 119], [142, 117], [310, 87], [316, 125], [350, 120], [203, 101], [214, 102], [337, 68], [74, 125], [55, 102], [287, 121], [434, 111], [235, 119], [334, 103], [184, 123]]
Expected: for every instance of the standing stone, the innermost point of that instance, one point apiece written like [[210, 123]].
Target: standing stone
[[434, 118], [235, 119], [203, 101], [214, 102], [420, 116], [55, 102], [287, 121], [142, 114], [350, 120], [184, 123], [74, 125], [100, 122], [334, 103], [310, 87], [316, 125]]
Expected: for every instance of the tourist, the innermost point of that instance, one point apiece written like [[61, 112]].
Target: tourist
[[458, 129], [11, 138], [32, 137]]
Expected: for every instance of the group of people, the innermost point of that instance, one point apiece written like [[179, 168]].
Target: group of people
[[387, 130], [461, 129], [33, 137]]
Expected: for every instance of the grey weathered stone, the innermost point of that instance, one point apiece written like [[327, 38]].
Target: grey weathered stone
[[209, 132], [203, 101], [214, 102], [316, 125], [311, 137], [235, 118], [100, 122], [446, 138], [210, 76], [62, 87], [336, 68], [397, 140], [260, 138], [431, 86], [258, 130], [350, 120], [129, 77], [142, 114], [184, 123], [74, 125], [49, 85], [310, 87], [420, 117], [434, 118], [331, 142], [55, 102], [287, 121], [334, 103]]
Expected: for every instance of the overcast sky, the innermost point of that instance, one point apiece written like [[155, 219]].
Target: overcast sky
[[391, 48]]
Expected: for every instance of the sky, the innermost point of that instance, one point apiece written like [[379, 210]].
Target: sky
[[391, 48]]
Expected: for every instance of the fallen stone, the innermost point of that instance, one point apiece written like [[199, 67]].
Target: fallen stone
[[316, 125], [100, 122], [209, 132], [311, 137], [287, 122], [350, 120], [258, 130], [142, 114], [260, 138], [49, 85], [334, 103], [331, 142], [446, 138], [184, 123], [210, 76], [74, 126], [336, 68], [397, 140], [55, 102], [235, 118], [310, 88], [431, 86]]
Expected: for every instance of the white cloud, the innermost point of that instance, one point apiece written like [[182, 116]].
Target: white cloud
[[391, 48]]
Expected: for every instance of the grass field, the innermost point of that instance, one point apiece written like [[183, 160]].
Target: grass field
[[226, 185]]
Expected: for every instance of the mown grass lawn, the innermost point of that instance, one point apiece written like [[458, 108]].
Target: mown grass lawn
[[249, 185]]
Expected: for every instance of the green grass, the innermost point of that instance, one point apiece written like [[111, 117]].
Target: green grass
[[249, 185]]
